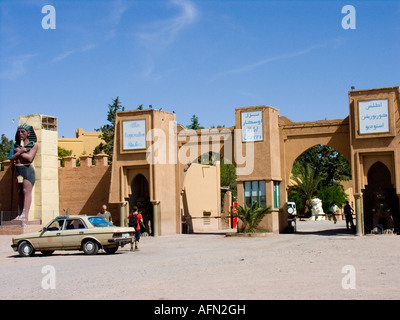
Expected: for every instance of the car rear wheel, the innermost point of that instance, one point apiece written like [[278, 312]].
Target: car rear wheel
[[25, 249], [90, 247]]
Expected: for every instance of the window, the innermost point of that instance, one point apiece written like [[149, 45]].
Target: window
[[254, 191], [75, 224], [56, 225], [99, 222], [49, 123], [277, 202]]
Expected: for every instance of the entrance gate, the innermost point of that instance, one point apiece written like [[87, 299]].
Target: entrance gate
[[381, 204]]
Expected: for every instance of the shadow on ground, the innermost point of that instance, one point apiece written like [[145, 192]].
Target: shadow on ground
[[329, 232], [323, 228]]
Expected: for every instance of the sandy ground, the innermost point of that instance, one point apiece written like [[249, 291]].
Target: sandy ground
[[311, 264]]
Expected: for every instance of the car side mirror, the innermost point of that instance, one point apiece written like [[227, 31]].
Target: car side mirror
[[43, 231]]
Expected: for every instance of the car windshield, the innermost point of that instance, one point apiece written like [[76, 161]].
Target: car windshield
[[55, 225], [99, 222]]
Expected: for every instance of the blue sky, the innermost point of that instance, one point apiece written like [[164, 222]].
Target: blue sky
[[192, 57]]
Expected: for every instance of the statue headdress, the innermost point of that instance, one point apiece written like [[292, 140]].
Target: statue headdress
[[32, 136]]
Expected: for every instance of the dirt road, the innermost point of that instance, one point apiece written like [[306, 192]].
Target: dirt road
[[321, 261]]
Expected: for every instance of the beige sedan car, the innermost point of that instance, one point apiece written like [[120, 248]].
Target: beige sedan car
[[86, 233]]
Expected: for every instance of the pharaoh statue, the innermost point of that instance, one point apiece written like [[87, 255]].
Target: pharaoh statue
[[25, 149]]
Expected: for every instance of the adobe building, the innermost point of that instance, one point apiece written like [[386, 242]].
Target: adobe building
[[83, 143], [154, 165], [263, 146]]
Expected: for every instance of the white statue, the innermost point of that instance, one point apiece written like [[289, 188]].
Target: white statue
[[316, 209]]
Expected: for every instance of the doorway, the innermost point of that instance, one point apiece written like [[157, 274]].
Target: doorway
[[381, 203], [140, 197]]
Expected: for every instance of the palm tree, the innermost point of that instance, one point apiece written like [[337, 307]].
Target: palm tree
[[306, 184], [251, 216]]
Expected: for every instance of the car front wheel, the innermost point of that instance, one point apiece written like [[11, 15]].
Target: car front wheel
[[90, 247], [25, 249]]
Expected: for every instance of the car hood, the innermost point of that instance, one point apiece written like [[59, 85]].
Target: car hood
[[35, 234]]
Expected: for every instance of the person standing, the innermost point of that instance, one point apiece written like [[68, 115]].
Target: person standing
[[105, 214], [348, 213], [334, 209], [135, 220]]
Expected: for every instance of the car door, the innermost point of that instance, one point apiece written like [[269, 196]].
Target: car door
[[51, 238], [73, 233]]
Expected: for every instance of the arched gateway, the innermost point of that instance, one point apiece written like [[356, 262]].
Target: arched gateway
[[263, 146]]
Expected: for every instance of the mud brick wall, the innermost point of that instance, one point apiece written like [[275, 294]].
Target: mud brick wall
[[8, 189], [84, 189]]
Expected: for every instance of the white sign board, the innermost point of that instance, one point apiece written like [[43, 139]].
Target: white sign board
[[252, 126], [134, 134], [373, 116]]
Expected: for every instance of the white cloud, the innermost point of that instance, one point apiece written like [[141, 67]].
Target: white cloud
[[68, 53], [334, 42], [62, 56], [161, 34], [17, 66], [268, 60], [110, 21], [118, 9]]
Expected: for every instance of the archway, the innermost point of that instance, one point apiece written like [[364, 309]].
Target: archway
[[228, 184], [330, 170], [381, 204], [324, 173], [202, 197], [140, 197]]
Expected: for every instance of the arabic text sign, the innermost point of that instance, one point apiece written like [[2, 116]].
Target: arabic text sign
[[252, 128], [373, 116], [134, 134]]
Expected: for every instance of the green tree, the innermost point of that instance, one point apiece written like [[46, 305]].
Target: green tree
[[330, 195], [194, 123], [306, 183], [251, 216], [228, 177], [330, 164], [108, 130], [62, 153], [5, 147]]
